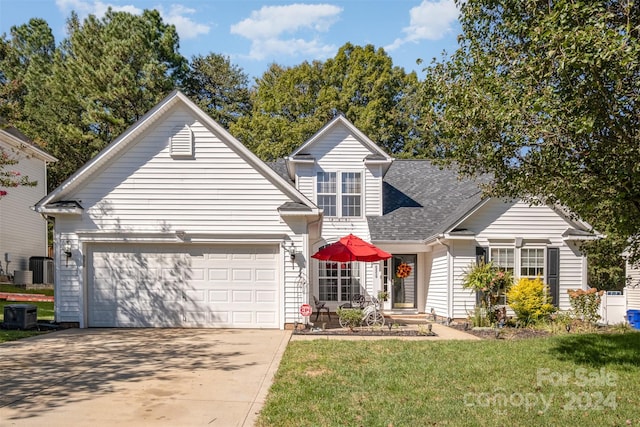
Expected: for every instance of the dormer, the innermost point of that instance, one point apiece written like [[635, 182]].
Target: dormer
[[341, 170]]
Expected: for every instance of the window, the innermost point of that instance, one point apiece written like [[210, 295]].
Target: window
[[351, 194], [503, 258], [532, 262], [347, 201], [327, 192], [338, 281]]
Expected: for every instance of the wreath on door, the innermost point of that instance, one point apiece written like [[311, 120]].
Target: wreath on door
[[403, 270]]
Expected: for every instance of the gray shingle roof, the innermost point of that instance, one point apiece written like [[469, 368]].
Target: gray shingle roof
[[420, 200], [280, 167]]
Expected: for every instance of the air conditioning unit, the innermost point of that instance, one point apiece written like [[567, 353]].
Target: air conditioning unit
[[20, 316], [42, 268]]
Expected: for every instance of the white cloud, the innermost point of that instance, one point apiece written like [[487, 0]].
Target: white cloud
[[176, 15], [431, 20], [266, 29], [186, 27]]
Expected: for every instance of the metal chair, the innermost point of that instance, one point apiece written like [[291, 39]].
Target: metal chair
[[320, 305]]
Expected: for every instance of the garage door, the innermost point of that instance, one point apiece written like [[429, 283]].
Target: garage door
[[183, 286]]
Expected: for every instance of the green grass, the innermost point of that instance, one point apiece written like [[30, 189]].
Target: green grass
[[586, 380], [10, 335], [4, 287]]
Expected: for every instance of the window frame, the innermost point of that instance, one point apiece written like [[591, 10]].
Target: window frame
[[341, 179], [327, 194], [512, 249], [543, 267], [347, 275]]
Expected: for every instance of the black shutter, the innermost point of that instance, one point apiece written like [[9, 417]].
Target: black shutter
[[553, 274], [482, 256]]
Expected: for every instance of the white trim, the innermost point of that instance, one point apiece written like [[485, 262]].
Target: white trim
[[172, 237], [368, 143], [120, 143], [339, 194], [26, 147]]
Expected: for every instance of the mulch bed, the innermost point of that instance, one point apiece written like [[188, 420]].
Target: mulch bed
[[502, 333], [333, 328], [364, 332]]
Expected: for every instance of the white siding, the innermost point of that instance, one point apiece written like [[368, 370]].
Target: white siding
[[498, 224], [437, 294], [23, 232], [496, 219], [633, 274], [339, 151], [572, 273], [145, 190], [464, 300]]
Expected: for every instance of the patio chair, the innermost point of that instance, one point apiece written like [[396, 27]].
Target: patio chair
[[320, 305]]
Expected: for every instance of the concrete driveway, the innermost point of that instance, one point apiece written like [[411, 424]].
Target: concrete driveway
[[138, 377]]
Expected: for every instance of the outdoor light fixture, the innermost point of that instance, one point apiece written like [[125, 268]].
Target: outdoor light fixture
[[67, 250], [291, 250]]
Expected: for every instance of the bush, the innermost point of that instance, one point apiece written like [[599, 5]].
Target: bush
[[530, 300], [490, 282], [586, 304], [350, 317]]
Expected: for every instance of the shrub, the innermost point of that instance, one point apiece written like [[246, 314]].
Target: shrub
[[585, 304], [488, 279], [350, 317], [530, 300]]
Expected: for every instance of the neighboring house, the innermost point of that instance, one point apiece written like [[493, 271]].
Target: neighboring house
[[176, 223], [633, 273], [23, 232]]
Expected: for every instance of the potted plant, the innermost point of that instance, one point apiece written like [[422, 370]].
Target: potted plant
[[383, 296]]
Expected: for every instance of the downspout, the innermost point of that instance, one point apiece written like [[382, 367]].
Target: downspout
[[449, 277]]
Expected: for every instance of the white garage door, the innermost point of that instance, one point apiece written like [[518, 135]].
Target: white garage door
[[183, 286]]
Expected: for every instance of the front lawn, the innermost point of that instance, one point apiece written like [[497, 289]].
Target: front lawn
[[6, 287], [12, 335], [586, 380]]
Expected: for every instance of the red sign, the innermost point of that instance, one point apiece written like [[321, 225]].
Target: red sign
[[305, 310]]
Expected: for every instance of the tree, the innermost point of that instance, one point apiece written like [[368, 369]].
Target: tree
[[291, 104], [285, 110], [606, 269], [75, 99], [362, 83], [219, 88], [544, 96], [107, 74], [26, 61]]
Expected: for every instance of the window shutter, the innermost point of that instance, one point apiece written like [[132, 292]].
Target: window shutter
[[181, 142], [553, 274], [482, 255]]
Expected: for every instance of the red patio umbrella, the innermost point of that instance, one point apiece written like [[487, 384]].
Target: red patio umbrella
[[351, 248]]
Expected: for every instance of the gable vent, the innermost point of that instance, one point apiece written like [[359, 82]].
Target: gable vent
[[181, 142]]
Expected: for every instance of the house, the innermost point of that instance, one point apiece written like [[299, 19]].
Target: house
[[23, 232], [176, 223]]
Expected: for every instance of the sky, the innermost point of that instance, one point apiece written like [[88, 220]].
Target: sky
[[254, 34]]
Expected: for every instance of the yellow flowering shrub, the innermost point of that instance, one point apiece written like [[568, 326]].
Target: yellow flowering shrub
[[530, 300]]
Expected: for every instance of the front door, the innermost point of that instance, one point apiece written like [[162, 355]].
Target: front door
[[403, 275]]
